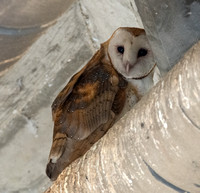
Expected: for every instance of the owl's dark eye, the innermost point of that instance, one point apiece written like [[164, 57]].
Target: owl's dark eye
[[142, 52], [120, 49]]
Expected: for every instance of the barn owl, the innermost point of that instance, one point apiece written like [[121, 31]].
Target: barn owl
[[116, 77]]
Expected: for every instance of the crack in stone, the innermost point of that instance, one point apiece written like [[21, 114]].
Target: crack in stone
[[197, 185], [187, 116], [164, 181], [86, 21]]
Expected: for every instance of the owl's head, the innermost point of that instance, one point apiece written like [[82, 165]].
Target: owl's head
[[130, 52]]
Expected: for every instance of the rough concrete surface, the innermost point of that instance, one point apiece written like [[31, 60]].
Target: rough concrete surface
[[29, 87], [21, 23]]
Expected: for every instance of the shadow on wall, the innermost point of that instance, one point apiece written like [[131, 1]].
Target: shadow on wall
[[172, 27], [22, 22]]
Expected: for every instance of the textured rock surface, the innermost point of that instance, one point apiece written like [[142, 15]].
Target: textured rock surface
[[21, 23], [29, 87]]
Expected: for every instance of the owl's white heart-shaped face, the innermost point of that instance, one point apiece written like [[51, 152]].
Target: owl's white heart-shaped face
[[130, 53]]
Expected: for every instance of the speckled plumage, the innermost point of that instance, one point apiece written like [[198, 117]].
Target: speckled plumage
[[91, 102]]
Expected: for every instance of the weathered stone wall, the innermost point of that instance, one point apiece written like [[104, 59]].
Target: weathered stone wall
[[21, 23]]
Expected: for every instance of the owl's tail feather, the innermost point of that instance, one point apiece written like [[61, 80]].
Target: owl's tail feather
[[65, 150], [57, 150]]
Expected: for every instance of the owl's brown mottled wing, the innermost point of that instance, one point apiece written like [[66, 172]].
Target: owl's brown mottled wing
[[91, 101]]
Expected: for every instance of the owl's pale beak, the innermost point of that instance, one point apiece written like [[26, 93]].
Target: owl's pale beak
[[127, 67]]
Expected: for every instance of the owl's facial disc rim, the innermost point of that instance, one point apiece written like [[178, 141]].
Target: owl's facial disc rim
[[145, 75]]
